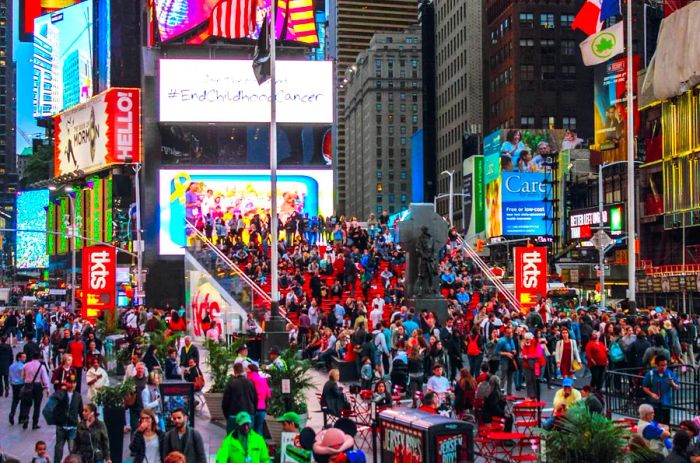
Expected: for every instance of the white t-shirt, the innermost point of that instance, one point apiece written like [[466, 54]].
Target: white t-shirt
[[438, 384], [152, 449]]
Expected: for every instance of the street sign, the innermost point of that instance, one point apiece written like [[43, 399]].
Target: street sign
[[605, 267], [601, 240]]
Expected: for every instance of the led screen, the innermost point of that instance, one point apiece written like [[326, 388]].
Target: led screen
[[31, 216], [29, 10], [175, 17], [192, 194], [193, 90], [63, 57]]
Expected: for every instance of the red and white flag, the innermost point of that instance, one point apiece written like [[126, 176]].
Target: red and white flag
[[232, 19], [588, 17]]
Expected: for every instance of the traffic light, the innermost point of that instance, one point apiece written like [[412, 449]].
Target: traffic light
[[479, 245]]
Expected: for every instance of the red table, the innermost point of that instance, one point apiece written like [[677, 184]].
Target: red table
[[499, 439]]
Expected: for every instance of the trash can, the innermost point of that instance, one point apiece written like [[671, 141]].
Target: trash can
[[408, 435]]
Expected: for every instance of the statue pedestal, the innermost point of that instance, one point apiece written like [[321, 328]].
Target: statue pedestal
[[436, 303]]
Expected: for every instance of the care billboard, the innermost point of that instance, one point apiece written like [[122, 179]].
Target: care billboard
[[63, 59], [195, 194], [517, 174], [198, 90], [31, 221]]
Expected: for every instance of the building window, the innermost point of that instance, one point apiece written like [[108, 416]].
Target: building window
[[547, 45], [403, 130], [527, 122], [566, 20], [390, 118], [527, 43], [403, 198], [403, 175], [414, 63], [569, 122], [548, 122], [527, 20], [402, 140], [378, 84], [380, 188], [391, 166], [568, 47], [402, 107], [404, 187], [527, 71], [379, 174], [391, 107], [547, 20], [403, 163], [414, 108], [403, 152], [414, 118], [379, 163], [568, 71], [548, 72], [379, 209], [391, 130], [379, 106], [392, 199]]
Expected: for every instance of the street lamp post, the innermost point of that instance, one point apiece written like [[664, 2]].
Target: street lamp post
[[450, 173], [139, 242], [73, 225], [601, 250]]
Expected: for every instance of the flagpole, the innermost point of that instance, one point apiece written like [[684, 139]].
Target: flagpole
[[631, 203], [274, 255]]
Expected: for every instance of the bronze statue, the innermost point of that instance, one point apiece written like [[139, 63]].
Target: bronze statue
[[425, 250]]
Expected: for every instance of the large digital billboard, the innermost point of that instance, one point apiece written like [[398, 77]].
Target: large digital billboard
[[249, 144], [63, 59], [196, 90], [517, 187], [102, 131], [31, 216], [195, 194], [29, 10]]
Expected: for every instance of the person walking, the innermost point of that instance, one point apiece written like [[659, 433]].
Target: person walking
[[240, 395], [5, 362], [243, 445], [150, 398], [92, 441], [77, 350], [597, 356], [36, 382], [147, 446], [96, 379], [63, 371], [182, 438], [262, 390], [16, 381], [505, 348], [69, 405], [567, 355]]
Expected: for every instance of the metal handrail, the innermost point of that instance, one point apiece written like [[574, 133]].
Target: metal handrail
[[232, 265], [487, 271]]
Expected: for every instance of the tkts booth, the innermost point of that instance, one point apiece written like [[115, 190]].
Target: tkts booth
[[412, 436]]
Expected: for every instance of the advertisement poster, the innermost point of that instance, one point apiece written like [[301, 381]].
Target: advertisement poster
[[99, 280], [401, 444], [205, 299], [105, 130], [524, 207], [197, 90], [530, 275], [63, 59], [195, 195], [473, 168], [583, 222], [451, 448], [31, 216], [177, 395], [610, 103], [29, 10]]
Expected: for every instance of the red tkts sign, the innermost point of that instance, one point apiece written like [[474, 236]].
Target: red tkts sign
[[99, 280], [530, 275]]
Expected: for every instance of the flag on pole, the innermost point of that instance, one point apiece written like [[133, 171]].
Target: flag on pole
[[610, 8], [600, 47], [588, 17], [232, 19], [261, 58]]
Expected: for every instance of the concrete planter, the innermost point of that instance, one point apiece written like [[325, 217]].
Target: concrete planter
[[213, 400]]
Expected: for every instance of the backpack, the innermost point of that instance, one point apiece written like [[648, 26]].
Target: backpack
[[49, 410], [615, 352], [473, 346]]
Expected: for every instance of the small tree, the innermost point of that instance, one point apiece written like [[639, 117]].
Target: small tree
[[219, 359], [300, 382], [584, 437]]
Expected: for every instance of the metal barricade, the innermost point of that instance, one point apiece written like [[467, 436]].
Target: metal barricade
[[624, 394]]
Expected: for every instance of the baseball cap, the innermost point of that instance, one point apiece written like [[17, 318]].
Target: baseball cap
[[290, 417], [568, 382], [529, 335], [243, 418]]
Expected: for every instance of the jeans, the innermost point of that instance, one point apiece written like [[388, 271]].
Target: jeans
[[64, 436], [4, 381], [475, 364], [506, 375], [597, 377], [258, 421], [37, 395], [15, 399]]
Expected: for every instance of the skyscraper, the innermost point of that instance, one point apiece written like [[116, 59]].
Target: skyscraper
[[352, 23], [383, 109], [459, 91], [77, 71]]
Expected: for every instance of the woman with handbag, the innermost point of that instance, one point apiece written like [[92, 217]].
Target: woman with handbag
[[566, 355], [92, 442], [194, 375]]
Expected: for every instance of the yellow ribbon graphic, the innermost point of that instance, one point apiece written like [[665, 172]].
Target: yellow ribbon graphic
[[180, 183]]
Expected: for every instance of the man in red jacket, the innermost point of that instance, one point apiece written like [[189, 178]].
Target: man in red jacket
[[597, 355], [77, 349]]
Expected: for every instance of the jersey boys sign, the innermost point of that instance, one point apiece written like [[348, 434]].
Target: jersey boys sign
[[99, 280], [104, 130], [530, 275]]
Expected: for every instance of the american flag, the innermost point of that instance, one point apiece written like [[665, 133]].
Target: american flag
[[232, 19]]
